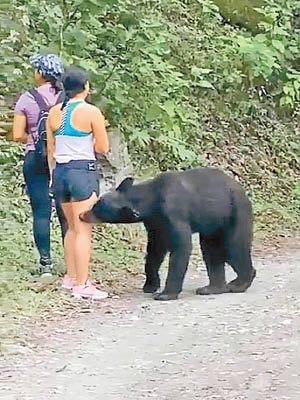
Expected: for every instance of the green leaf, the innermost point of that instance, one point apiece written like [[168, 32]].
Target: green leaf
[[196, 71], [205, 84], [121, 98], [140, 136], [261, 37], [278, 45], [153, 112], [89, 65], [169, 107]]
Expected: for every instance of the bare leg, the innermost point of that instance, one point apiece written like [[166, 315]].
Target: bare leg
[[78, 239], [69, 241]]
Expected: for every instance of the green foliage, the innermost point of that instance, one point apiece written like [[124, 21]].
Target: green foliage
[[185, 87], [245, 13], [151, 62], [272, 56]]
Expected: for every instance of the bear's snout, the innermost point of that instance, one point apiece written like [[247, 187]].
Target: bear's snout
[[88, 216]]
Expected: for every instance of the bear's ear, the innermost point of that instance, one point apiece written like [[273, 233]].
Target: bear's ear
[[125, 184]]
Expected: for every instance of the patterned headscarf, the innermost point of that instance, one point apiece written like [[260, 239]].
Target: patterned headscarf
[[49, 65]]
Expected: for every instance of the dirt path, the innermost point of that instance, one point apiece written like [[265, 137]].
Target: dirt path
[[226, 347]]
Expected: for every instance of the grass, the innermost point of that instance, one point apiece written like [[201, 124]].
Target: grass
[[117, 259]]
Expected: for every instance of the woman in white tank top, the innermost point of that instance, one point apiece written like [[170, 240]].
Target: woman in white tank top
[[75, 131]]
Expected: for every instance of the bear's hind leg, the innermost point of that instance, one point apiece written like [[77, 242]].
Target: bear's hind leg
[[238, 249], [156, 251], [213, 251], [241, 263]]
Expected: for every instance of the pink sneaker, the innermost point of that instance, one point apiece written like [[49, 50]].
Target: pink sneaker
[[67, 282], [88, 291]]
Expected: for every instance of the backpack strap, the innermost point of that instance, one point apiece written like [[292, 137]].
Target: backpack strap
[[39, 99], [61, 97]]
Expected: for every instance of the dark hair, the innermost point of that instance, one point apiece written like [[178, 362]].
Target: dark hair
[[74, 81], [55, 83]]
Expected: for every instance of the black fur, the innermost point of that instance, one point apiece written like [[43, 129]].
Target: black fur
[[173, 206]]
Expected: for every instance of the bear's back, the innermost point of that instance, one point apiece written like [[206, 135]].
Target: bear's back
[[202, 196], [192, 182]]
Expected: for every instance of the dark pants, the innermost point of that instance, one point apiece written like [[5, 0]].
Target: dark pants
[[38, 190]]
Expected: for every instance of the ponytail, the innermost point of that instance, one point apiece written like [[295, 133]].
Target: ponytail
[[66, 99], [74, 81]]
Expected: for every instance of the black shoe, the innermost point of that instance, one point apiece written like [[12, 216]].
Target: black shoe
[[46, 266]]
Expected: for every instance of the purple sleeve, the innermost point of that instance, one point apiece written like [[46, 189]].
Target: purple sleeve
[[20, 106]]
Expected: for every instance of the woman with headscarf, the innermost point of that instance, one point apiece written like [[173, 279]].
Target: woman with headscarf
[[48, 70]]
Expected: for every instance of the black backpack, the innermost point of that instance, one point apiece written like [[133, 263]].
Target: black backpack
[[40, 141]]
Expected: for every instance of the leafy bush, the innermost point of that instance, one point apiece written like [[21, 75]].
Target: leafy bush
[[183, 85], [186, 84]]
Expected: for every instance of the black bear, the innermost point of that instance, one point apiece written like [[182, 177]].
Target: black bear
[[173, 206]]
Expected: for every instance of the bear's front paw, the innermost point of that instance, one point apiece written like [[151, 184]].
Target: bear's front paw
[[166, 296], [148, 288]]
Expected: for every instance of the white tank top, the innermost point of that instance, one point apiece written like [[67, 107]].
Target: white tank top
[[70, 143]]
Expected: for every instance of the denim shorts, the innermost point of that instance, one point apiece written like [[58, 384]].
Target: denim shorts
[[75, 180]]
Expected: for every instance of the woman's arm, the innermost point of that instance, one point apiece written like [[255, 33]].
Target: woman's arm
[[19, 128], [50, 142], [100, 135]]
